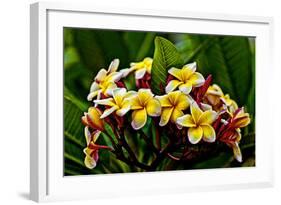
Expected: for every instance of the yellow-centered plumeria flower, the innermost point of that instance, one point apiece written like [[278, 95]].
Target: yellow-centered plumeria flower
[[140, 68], [186, 78], [172, 105], [144, 104], [215, 96], [199, 124], [105, 81], [119, 103]]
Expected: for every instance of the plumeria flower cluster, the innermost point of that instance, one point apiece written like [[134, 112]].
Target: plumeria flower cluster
[[190, 105]]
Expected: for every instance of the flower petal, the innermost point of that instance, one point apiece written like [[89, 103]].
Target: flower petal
[[96, 135], [172, 85], [92, 95], [140, 73], [88, 135], [113, 66], [114, 77], [126, 71], [237, 152], [153, 108], [94, 87], [187, 71], [208, 117], [195, 134], [108, 112], [101, 75], [107, 101], [197, 79], [191, 66], [139, 118], [164, 100], [209, 134], [196, 112], [89, 162], [135, 103], [93, 118], [165, 116], [176, 114], [176, 73], [186, 88], [124, 109], [183, 102], [186, 121]]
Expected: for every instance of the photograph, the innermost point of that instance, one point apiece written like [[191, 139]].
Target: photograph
[[145, 101]]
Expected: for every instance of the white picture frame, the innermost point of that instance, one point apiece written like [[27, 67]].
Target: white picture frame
[[47, 182]]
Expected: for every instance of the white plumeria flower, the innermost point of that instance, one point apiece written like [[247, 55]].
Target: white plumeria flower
[[140, 68], [105, 81], [119, 103], [186, 78]]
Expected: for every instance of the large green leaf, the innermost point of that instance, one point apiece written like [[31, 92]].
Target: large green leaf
[[165, 57], [228, 59]]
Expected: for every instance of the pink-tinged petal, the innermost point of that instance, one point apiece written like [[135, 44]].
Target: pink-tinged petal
[[186, 121], [176, 114], [113, 66], [196, 112], [237, 152], [139, 118], [125, 108], [197, 79], [186, 88], [93, 118], [195, 134], [153, 107], [96, 135], [165, 116], [172, 85], [175, 72], [208, 117], [101, 75], [209, 134], [108, 112], [88, 135], [140, 73]]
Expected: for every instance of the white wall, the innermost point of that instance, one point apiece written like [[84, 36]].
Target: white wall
[[14, 109]]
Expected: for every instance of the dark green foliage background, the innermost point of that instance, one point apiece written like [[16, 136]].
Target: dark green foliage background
[[230, 60]]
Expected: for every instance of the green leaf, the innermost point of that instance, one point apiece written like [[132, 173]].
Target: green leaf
[[229, 60], [165, 57]]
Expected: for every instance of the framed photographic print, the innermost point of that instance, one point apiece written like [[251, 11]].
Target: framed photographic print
[[147, 101]]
